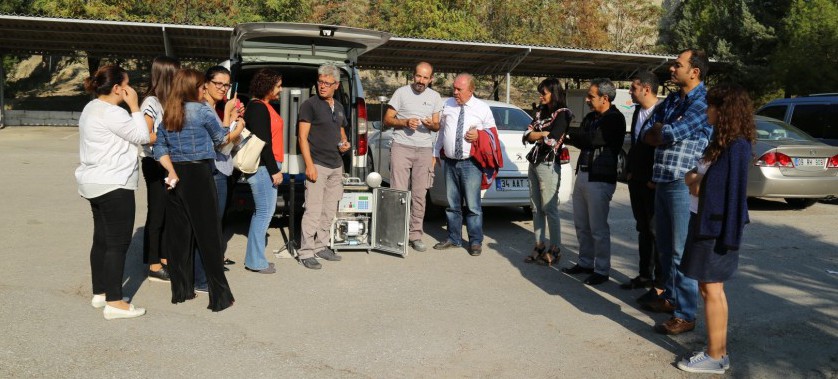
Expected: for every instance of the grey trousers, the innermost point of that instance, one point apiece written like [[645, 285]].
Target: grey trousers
[[591, 203], [544, 197], [321, 205], [412, 168]]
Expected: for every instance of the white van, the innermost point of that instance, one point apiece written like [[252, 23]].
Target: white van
[[296, 51]]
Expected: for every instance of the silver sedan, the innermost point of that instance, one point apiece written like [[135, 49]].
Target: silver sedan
[[790, 164]]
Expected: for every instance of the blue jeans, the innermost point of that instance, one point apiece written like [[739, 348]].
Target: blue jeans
[[544, 180], [264, 201], [672, 219], [462, 180], [591, 204], [221, 191]]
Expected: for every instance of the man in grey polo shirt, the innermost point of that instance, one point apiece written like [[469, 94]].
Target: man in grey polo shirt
[[413, 112]]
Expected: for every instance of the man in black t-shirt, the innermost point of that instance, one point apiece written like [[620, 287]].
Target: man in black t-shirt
[[322, 140]]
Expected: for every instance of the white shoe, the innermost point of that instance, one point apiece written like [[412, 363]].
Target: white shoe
[[98, 301], [114, 313]]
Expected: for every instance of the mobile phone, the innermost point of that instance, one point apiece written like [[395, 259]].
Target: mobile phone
[[233, 89]]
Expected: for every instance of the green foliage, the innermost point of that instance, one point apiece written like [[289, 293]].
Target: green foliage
[[806, 59]]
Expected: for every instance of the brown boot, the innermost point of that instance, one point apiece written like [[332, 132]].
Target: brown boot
[[675, 326]]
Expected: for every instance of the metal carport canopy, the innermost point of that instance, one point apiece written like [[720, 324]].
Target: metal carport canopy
[[122, 39]]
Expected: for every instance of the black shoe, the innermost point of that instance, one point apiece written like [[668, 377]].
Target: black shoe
[[475, 250], [204, 289], [228, 262], [638, 282], [648, 297], [445, 245], [226, 269], [596, 279], [311, 263], [328, 255], [161, 275], [577, 269]]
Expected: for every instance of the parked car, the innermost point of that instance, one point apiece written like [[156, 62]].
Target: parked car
[[296, 51], [512, 185], [792, 165], [817, 115]]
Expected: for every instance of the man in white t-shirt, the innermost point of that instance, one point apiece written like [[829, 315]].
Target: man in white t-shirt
[[413, 112], [462, 117]]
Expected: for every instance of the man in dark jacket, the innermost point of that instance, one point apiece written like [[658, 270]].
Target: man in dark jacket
[[599, 138], [639, 162]]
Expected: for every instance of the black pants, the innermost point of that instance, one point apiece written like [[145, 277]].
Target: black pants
[[192, 222], [154, 174], [643, 206], [113, 223]]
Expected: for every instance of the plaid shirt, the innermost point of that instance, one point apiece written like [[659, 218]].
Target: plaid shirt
[[686, 133]]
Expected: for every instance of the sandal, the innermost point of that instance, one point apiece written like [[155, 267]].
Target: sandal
[[536, 254], [550, 257]]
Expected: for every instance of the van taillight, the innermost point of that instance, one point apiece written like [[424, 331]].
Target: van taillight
[[362, 127], [565, 156], [774, 159], [832, 162]]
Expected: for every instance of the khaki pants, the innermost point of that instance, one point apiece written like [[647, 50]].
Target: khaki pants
[[321, 205], [412, 168]]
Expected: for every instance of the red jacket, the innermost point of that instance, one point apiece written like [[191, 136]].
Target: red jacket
[[486, 151]]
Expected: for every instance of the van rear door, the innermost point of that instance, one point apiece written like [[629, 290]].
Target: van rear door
[[301, 43]]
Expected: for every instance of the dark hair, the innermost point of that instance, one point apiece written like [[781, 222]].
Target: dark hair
[[735, 118], [102, 82], [263, 83], [647, 78], [698, 59], [163, 69], [215, 70], [184, 88], [558, 98]]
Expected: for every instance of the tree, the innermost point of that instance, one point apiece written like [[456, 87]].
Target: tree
[[633, 25], [805, 60]]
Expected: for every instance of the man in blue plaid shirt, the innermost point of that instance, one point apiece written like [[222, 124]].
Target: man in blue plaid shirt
[[680, 133]]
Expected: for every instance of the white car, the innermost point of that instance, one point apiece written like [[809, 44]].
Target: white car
[[511, 187]]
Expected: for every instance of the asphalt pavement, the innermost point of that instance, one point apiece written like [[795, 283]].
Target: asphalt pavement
[[437, 314]]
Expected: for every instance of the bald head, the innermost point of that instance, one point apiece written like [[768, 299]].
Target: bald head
[[463, 88], [422, 77]]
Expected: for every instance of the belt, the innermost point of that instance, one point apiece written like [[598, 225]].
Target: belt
[[193, 162]]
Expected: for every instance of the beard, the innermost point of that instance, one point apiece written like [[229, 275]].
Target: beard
[[418, 87]]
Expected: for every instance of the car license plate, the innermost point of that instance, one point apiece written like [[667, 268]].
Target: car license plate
[[810, 162], [522, 184]]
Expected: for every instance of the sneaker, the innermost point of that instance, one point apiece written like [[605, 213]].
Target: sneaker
[[202, 289], [161, 275], [725, 358], [98, 301], [267, 270], [311, 263], [112, 313], [675, 325], [328, 255], [418, 245], [703, 364]]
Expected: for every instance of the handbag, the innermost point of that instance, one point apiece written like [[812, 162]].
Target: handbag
[[247, 153]]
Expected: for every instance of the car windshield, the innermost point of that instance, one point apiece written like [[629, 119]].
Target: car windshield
[[771, 129], [511, 118]]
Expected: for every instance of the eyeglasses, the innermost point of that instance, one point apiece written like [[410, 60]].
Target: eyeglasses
[[220, 85], [325, 84]]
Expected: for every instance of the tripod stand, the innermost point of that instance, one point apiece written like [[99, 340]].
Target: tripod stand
[[290, 241]]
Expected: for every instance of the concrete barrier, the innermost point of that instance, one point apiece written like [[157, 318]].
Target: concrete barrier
[[41, 118]]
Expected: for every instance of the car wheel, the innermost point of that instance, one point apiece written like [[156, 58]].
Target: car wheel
[[800, 203], [621, 166]]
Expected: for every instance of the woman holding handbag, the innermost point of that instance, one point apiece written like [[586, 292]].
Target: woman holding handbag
[[185, 147], [264, 122], [547, 134]]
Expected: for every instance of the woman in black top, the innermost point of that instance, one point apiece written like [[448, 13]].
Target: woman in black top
[[263, 121], [547, 134]]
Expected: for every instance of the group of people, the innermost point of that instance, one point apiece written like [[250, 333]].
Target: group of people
[[686, 173], [188, 127], [686, 169]]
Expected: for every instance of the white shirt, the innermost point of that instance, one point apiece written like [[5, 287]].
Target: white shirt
[[641, 118], [477, 114], [701, 169], [108, 139], [151, 107]]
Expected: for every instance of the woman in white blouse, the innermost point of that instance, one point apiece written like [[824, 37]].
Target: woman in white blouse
[[107, 177]]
